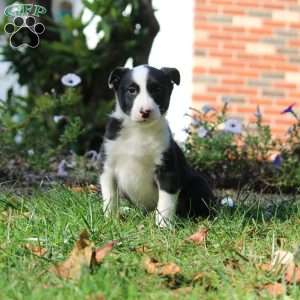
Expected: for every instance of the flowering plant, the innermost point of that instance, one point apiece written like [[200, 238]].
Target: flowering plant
[[235, 154]]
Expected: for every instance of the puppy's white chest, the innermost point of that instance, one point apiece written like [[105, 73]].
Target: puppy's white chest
[[133, 157]]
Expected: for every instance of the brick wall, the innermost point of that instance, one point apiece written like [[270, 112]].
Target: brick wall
[[248, 51]]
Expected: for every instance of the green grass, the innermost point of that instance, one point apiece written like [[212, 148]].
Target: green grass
[[238, 240]]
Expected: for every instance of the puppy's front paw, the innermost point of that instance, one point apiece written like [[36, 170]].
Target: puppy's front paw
[[163, 222]]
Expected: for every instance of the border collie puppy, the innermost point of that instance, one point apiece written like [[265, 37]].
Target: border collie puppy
[[140, 159]]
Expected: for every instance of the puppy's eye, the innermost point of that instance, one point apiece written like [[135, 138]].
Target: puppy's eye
[[132, 90]]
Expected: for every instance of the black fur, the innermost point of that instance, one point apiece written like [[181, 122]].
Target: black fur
[[195, 197]]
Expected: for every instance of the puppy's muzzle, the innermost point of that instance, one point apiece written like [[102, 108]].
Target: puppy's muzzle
[[145, 113]]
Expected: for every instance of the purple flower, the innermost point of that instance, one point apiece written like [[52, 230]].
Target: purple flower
[[207, 108], [289, 109], [202, 132], [258, 113], [277, 161]]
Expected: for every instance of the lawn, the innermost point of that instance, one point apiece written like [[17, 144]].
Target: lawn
[[225, 266]]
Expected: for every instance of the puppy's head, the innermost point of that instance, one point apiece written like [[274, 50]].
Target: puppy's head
[[143, 93]]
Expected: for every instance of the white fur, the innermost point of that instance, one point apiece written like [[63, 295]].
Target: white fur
[[131, 161], [166, 209], [143, 101]]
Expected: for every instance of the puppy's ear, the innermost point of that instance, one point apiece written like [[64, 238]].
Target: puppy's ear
[[115, 77], [173, 74]]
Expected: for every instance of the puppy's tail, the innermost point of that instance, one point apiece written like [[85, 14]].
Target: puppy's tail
[[196, 199]]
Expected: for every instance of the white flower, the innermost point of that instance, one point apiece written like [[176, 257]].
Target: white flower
[[227, 201], [207, 108], [18, 138], [71, 80], [57, 119], [30, 152], [202, 132], [233, 126]]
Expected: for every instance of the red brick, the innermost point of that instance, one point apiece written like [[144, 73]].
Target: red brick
[[273, 5], [220, 36], [233, 46], [233, 10], [286, 67], [274, 24], [246, 109], [199, 70], [219, 90], [247, 73], [261, 31], [220, 54], [284, 102], [219, 71], [204, 98], [207, 44], [234, 29], [285, 85], [206, 10], [235, 81], [245, 91], [261, 101], [294, 43]]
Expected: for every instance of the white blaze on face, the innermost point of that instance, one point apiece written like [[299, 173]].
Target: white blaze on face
[[143, 100]]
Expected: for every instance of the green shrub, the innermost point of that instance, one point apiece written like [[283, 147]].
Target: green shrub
[[236, 155]]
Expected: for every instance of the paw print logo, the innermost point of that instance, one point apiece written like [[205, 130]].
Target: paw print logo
[[24, 31]]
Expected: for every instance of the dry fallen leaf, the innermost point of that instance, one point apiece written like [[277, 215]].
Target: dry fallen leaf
[[292, 274], [92, 188], [79, 258], [142, 250], [83, 255], [199, 277], [199, 237], [77, 189], [152, 266], [181, 292], [266, 267], [274, 289], [36, 250], [98, 296], [100, 253]]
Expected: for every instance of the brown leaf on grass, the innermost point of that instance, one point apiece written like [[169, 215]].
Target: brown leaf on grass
[[274, 289], [266, 267], [98, 296], [199, 237], [152, 266], [233, 264], [79, 258], [199, 277], [77, 189], [92, 188], [83, 255], [142, 250], [100, 253], [81, 189], [292, 274], [36, 250], [181, 292]]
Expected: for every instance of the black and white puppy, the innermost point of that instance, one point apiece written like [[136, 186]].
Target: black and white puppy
[[140, 159]]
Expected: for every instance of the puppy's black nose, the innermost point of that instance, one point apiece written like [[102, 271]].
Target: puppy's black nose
[[145, 113]]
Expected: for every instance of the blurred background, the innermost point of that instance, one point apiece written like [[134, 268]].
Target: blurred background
[[239, 61]]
